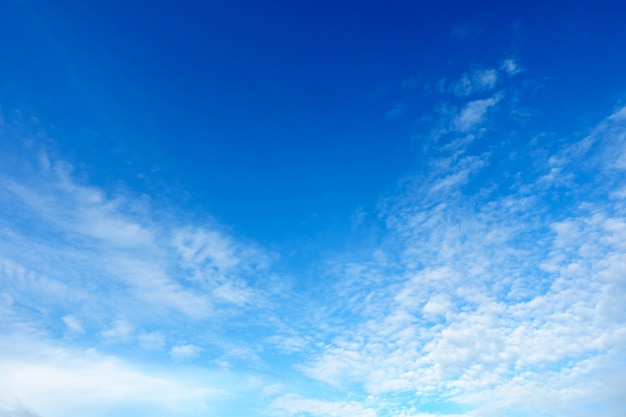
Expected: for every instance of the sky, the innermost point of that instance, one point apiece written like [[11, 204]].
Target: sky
[[312, 209]]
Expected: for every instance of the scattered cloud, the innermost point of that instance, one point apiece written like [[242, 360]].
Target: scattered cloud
[[490, 303], [64, 242], [478, 80], [110, 272], [288, 344], [486, 291]]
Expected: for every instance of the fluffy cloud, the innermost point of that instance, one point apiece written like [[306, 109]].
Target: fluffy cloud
[[490, 303], [474, 113]]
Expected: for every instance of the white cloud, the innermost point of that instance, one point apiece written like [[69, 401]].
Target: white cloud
[[288, 344], [110, 269], [231, 293], [215, 261], [120, 331], [73, 324], [458, 176], [474, 113], [209, 247], [149, 281], [185, 351], [438, 304], [510, 67], [491, 299], [604, 149], [488, 304], [85, 257], [477, 81]]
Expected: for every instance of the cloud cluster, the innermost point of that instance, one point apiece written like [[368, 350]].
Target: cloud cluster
[[68, 237], [496, 288], [494, 299]]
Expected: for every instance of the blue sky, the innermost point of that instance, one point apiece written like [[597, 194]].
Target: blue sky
[[312, 209]]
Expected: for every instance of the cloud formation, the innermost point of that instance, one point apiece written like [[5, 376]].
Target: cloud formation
[[84, 272], [493, 303], [496, 283]]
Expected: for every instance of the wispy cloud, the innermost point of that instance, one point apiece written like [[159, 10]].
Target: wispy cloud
[[477, 81], [120, 330], [185, 351], [511, 67], [496, 283], [112, 242], [474, 113], [73, 324], [108, 272]]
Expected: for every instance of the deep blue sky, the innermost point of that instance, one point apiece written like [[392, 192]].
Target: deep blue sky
[[320, 209], [272, 114]]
